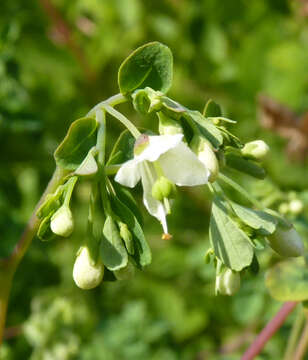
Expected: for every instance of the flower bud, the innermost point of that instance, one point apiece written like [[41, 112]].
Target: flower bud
[[127, 237], [286, 243], [125, 273], [296, 206], [87, 275], [168, 126], [62, 223], [163, 188], [203, 149], [284, 208], [257, 149], [228, 282]]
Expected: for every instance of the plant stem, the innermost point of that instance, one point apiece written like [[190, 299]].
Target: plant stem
[[112, 101], [128, 124], [275, 323], [9, 265], [302, 344], [295, 331], [242, 191]]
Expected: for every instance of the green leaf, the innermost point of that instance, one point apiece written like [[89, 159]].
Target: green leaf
[[245, 166], [231, 244], [150, 65], [113, 252], [211, 109], [89, 166], [288, 281], [80, 138], [126, 198], [258, 220], [51, 204], [142, 253], [44, 232], [208, 130], [123, 149]]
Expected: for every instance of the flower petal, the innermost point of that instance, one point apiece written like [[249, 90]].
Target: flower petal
[[154, 207], [129, 173], [181, 166], [159, 145]]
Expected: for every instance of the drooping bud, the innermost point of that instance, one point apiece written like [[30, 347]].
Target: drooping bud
[[228, 282], [257, 149], [204, 150], [127, 237], [296, 206], [62, 222], [86, 273], [141, 143], [163, 188], [168, 126], [286, 242], [125, 273]]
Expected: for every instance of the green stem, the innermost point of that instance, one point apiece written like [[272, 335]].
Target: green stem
[[242, 191], [101, 136], [296, 328], [112, 101], [9, 265], [112, 169], [127, 123]]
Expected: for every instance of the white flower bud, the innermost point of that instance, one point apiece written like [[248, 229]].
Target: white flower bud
[[62, 222], [204, 150], [296, 206], [287, 243], [87, 275], [228, 282], [257, 149]]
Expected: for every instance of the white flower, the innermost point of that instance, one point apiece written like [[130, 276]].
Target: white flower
[[157, 156]]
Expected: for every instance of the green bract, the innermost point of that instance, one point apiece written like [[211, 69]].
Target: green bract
[[80, 138], [149, 65], [231, 244]]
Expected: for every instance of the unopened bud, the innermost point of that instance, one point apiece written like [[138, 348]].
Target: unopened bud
[[127, 237], [86, 273], [125, 273], [284, 208], [62, 222], [163, 188], [168, 126], [204, 150], [228, 282], [296, 206], [287, 242], [257, 149]]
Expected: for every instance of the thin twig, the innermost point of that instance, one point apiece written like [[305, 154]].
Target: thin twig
[[275, 323], [302, 344]]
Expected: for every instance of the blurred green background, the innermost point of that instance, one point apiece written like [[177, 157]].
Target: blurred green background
[[58, 58]]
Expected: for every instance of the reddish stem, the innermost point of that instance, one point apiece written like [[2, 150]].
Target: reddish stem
[[269, 330]]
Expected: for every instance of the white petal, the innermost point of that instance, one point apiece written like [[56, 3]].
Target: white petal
[[154, 207], [181, 166], [129, 173], [158, 145]]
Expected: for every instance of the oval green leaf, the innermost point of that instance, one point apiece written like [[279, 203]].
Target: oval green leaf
[[80, 138], [231, 244], [149, 65]]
